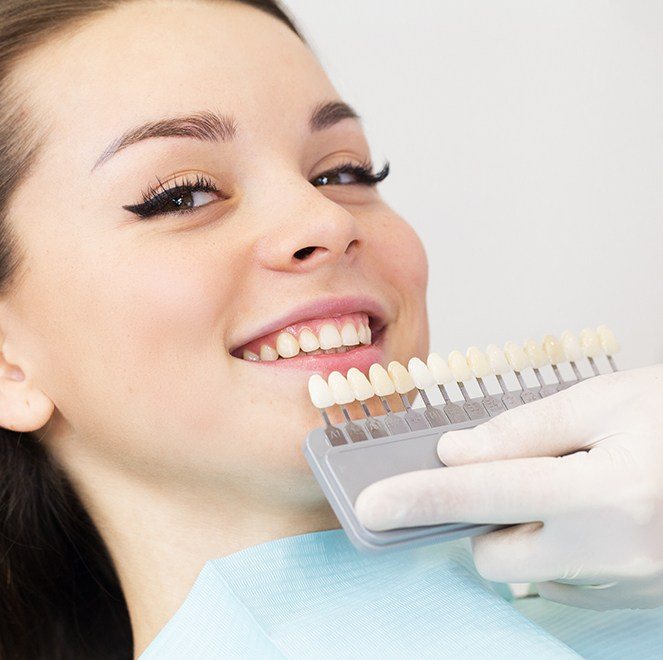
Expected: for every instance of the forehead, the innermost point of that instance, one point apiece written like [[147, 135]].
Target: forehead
[[145, 60]]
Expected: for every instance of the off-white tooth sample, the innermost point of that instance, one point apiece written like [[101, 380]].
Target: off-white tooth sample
[[308, 341], [319, 392], [268, 354], [340, 388], [459, 367], [250, 356], [349, 335], [608, 340], [590, 343], [554, 349], [537, 356], [382, 384], [571, 346], [330, 337], [286, 345], [360, 385], [516, 356], [440, 369], [497, 359], [477, 360], [421, 374], [401, 377]]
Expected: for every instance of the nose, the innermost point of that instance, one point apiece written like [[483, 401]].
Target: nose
[[317, 232]]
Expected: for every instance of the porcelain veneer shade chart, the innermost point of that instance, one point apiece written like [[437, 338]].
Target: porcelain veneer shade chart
[[349, 456]]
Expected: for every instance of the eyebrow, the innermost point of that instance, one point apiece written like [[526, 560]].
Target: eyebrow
[[212, 126]]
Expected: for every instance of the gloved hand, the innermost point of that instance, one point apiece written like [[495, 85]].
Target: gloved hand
[[592, 521]]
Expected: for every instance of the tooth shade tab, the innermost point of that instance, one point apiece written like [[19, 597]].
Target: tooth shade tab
[[319, 392], [401, 377], [459, 367], [382, 384], [359, 384], [608, 340], [516, 356], [349, 335], [440, 369], [537, 356], [497, 359], [478, 362], [421, 374], [340, 388], [554, 350], [590, 343], [308, 341], [571, 345]]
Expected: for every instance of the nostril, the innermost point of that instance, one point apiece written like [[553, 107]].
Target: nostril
[[304, 252]]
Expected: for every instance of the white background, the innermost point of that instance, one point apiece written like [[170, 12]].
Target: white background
[[526, 145]]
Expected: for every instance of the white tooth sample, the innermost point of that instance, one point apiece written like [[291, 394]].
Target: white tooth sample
[[608, 340], [308, 341], [516, 356], [319, 392], [590, 343], [349, 335], [364, 334], [330, 337], [421, 374], [459, 367], [440, 369], [382, 384], [478, 362], [497, 359], [360, 385], [340, 388], [571, 346], [268, 354], [287, 346], [554, 350], [250, 356], [537, 356], [401, 377]]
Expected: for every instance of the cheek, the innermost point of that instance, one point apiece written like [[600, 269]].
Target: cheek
[[401, 253]]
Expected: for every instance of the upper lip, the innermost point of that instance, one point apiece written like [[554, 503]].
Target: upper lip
[[322, 308]]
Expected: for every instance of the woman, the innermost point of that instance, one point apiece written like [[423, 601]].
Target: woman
[[181, 182]]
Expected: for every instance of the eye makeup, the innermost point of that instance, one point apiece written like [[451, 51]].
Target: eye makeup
[[185, 196]]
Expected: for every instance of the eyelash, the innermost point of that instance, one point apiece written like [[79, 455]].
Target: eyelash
[[156, 200]]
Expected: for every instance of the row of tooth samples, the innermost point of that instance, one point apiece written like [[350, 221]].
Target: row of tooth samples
[[330, 338], [339, 390]]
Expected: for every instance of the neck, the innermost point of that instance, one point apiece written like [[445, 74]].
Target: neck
[[160, 538]]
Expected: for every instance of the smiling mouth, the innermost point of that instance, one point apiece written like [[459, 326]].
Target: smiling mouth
[[345, 333]]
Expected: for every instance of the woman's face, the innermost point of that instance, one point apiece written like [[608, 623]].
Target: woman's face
[[127, 321]]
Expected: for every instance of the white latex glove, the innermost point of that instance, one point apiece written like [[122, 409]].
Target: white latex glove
[[593, 532]]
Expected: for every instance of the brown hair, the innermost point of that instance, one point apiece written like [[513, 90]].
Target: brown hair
[[60, 597]]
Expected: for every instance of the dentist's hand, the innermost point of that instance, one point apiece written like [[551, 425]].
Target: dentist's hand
[[592, 521]]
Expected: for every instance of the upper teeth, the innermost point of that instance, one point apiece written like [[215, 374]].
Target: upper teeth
[[328, 340]]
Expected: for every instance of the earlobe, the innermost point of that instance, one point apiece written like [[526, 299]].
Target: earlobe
[[23, 407]]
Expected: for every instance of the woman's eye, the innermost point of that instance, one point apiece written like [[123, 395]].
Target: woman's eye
[[350, 173], [192, 199], [183, 198]]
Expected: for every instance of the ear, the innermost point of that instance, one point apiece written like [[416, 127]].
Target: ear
[[23, 406]]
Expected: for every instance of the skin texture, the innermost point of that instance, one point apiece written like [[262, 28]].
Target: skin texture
[[120, 327]]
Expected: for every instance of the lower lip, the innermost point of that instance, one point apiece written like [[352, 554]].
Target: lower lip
[[361, 357]]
